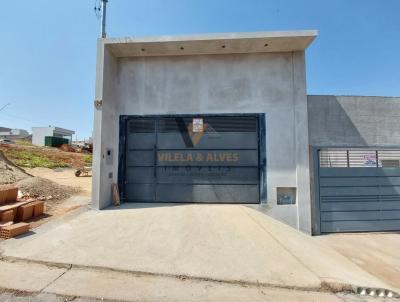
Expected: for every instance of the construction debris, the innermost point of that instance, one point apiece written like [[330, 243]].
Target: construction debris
[[38, 208], [67, 148], [8, 195], [25, 212], [115, 195], [7, 216], [13, 230], [44, 189], [17, 207]]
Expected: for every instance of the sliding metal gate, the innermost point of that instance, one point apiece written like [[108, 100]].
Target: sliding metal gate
[[358, 190], [190, 159]]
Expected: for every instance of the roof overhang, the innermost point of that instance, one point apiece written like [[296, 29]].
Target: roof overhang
[[63, 131], [226, 43]]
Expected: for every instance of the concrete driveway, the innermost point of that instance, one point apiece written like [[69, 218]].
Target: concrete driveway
[[227, 243], [376, 253]]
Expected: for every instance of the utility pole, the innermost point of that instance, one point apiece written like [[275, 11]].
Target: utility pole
[[103, 18]]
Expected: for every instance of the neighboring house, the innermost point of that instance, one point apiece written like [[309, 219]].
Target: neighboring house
[[8, 133], [225, 118], [39, 134]]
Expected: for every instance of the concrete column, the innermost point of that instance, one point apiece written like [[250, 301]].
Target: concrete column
[[105, 130], [302, 146], [96, 161]]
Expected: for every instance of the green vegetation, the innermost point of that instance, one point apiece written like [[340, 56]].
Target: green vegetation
[[88, 160], [29, 159], [23, 142]]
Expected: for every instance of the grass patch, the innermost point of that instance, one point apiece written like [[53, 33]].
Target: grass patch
[[30, 159], [88, 160], [23, 142]]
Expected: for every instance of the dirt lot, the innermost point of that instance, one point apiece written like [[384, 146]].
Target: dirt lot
[[27, 167], [29, 156], [66, 177]]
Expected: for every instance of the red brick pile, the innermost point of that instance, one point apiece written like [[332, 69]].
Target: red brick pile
[[15, 212]]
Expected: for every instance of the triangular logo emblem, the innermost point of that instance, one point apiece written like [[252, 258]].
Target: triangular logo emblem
[[196, 136]]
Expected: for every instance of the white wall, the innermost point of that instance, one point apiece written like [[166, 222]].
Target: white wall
[[39, 133]]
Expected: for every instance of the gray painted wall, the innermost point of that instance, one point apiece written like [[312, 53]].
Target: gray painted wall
[[270, 83], [353, 120]]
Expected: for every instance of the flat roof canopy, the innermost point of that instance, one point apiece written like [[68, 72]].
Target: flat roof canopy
[[58, 130], [227, 43]]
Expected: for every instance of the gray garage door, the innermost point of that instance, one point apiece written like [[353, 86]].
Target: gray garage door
[[192, 159], [359, 190]]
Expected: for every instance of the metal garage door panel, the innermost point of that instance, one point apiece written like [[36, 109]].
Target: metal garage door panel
[[211, 124], [360, 206], [360, 215], [358, 172], [140, 175], [238, 140], [208, 175], [166, 161], [360, 190], [140, 192], [356, 181], [349, 191], [389, 181], [141, 141], [207, 193], [360, 226], [358, 199], [347, 181], [207, 158], [140, 158]]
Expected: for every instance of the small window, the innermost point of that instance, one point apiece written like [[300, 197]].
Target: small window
[[286, 195], [359, 158]]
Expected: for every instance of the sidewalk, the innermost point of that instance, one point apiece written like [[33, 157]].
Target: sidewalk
[[39, 279], [180, 249]]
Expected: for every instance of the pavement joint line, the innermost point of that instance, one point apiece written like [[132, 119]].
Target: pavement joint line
[[243, 283], [55, 279]]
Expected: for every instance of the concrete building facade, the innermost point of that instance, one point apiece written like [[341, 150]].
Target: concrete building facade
[[39, 134], [196, 78]]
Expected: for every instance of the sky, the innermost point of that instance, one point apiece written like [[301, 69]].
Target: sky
[[48, 47]]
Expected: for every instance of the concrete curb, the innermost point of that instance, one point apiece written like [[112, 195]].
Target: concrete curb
[[325, 287]]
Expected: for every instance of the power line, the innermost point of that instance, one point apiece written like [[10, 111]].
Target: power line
[[23, 118], [4, 106]]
